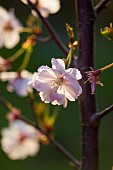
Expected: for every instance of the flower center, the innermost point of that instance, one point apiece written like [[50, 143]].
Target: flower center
[[8, 26], [58, 82]]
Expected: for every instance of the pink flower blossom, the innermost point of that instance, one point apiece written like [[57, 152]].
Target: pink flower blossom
[[9, 29], [93, 78], [4, 64], [20, 140], [18, 82], [57, 84], [13, 115]]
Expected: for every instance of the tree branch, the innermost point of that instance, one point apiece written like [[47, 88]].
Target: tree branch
[[89, 138], [54, 143], [101, 5], [101, 114], [51, 30]]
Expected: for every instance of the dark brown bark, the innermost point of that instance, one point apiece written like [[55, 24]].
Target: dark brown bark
[[87, 101]]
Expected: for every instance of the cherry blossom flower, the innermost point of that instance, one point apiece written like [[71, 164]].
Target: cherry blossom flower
[[9, 28], [93, 78], [45, 7], [18, 82], [19, 140], [56, 84], [5, 64]]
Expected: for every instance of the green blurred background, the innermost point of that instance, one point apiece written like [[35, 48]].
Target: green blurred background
[[67, 126]]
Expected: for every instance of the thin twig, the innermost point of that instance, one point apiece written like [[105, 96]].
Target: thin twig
[[101, 114], [44, 39], [51, 30], [101, 5]]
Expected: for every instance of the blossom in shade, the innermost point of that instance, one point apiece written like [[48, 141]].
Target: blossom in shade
[[10, 27], [20, 140], [18, 82], [45, 7], [5, 64], [93, 78], [13, 115], [57, 84]]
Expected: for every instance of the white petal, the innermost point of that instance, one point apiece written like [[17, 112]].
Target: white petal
[[11, 39], [5, 76], [3, 14], [26, 74], [58, 64], [42, 68], [74, 72], [78, 75], [52, 6], [70, 93], [15, 23], [72, 82]]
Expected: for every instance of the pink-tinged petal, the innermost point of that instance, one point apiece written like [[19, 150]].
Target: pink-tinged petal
[[72, 82], [15, 23], [70, 93], [42, 68], [58, 64], [93, 87], [32, 79], [41, 86], [51, 96], [4, 17], [11, 39], [46, 75], [74, 72], [45, 96]]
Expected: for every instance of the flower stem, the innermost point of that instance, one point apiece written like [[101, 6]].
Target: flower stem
[[106, 67], [16, 55], [6, 104], [26, 59]]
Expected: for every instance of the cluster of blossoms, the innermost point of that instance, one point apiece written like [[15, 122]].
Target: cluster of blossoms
[[20, 140]]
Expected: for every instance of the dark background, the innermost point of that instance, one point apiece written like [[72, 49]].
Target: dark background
[[67, 126]]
